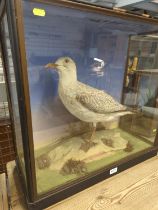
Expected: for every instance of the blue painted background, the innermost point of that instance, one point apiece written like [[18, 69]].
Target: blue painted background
[[82, 36]]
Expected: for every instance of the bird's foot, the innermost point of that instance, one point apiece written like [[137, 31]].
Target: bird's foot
[[87, 136], [87, 144]]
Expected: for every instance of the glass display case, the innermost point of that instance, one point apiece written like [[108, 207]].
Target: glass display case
[[6, 142], [101, 3], [84, 105], [7, 149], [4, 111]]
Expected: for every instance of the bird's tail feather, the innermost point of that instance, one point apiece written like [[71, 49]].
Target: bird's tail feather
[[135, 109], [113, 116]]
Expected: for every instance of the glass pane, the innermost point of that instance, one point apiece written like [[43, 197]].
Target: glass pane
[[103, 3], [141, 87], [81, 91], [4, 112], [13, 91]]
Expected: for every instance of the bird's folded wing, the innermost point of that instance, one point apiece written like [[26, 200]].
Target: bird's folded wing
[[96, 100]]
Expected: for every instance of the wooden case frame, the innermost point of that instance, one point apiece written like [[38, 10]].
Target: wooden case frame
[[13, 9]]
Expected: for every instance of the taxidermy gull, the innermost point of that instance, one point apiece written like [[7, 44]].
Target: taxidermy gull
[[83, 101]]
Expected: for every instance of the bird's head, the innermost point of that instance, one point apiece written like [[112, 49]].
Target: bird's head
[[64, 66]]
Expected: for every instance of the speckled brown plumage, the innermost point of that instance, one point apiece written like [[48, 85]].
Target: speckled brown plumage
[[83, 101], [96, 100]]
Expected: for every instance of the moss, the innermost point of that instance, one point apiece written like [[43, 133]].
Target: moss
[[43, 161], [48, 179], [129, 147], [108, 142], [73, 167]]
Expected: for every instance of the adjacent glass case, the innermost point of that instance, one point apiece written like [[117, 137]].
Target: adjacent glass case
[[101, 3], [83, 99]]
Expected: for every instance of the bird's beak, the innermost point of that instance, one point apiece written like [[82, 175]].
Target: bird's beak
[[51, 65]]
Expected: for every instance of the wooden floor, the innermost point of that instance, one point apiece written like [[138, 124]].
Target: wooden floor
[[133, 189], [3, 193]]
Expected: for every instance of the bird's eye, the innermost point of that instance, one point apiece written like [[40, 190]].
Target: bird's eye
[[66, 60]]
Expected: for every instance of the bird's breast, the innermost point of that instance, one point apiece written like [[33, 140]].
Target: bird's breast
[[67, 95]]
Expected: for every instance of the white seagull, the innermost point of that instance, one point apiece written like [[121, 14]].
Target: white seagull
[[83, 101]]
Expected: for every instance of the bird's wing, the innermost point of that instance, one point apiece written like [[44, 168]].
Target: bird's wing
[[96, 100]]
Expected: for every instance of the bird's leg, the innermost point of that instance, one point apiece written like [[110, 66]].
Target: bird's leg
[[88, 143], [93, 132]]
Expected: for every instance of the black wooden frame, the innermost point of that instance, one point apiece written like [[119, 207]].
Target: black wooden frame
[[13, 9]]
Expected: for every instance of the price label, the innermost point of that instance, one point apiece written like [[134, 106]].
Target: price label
[[113, 170], [39, 12]]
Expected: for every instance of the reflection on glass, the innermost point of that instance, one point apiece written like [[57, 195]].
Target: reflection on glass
[[4, 111], [141, 87], [14, 100], [103, 3], [76, 69]]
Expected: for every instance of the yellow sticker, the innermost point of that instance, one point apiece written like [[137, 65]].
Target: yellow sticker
[[154, 130], [39, 12]]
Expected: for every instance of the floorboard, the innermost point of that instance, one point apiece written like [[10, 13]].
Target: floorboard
[[3, 193], [135, 188]]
